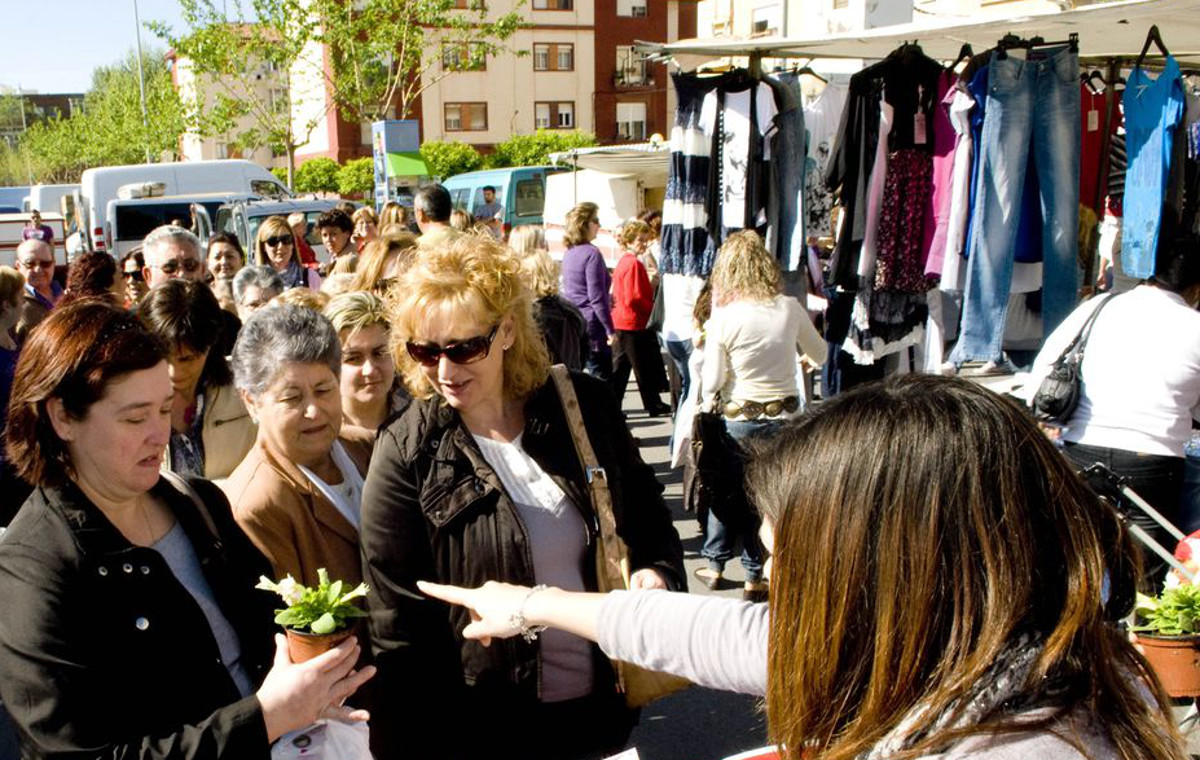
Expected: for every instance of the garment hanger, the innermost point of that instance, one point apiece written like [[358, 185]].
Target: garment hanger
[[1152, 36], [808, 70], [964, 53]]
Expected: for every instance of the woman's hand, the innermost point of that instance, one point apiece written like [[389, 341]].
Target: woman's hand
[[646, 578], [493, 607], [295, 695]]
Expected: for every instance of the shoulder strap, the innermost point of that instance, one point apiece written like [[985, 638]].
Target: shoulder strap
[[610, 543], [1075, 350], [182, 486]]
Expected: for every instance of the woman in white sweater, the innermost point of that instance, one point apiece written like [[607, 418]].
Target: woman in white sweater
[[753, 344]]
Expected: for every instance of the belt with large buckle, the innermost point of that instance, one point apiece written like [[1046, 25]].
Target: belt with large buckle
[[752, 410]]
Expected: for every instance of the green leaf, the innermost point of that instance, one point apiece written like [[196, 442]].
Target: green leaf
[[324, 624]]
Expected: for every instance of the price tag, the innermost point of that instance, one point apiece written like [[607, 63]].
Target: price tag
[[920, 136], [1093, 120]]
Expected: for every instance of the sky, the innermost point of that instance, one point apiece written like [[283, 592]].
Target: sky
[[53, 45]]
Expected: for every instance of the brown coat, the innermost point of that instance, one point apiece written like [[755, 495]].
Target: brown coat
[[289, 520]]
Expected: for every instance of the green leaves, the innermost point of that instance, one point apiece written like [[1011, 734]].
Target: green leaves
[[356, 178], [1176, 612], [446, 159], [535, 149], [317, 175], [323, 609]]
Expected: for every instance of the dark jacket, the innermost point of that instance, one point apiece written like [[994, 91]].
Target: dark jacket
[[433, 509], [105, 654], [565, 331]]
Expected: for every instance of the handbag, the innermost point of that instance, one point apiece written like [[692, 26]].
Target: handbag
[[641, 686], [1058, 394], [719, 481]]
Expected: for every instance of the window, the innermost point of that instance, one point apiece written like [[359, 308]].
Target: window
[[553, 56], [222, 150], [531, 197], [632, 7], [472, 5], [463, 56], [766, 20], [631, 121], [553, 5], [466, 117], [631, 67], [558, 115]]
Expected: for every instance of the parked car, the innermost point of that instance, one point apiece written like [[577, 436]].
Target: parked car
[[98, 186], [128, 221], [521, 191], [243, 219]]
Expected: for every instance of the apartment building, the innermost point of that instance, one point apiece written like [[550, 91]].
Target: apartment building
[[20, 109]]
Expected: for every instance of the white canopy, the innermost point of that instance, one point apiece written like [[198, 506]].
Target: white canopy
[[1110, 30], [647, 161]]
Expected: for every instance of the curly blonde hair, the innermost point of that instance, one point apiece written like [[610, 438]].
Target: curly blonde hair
[[479, 279], [745, 271], [526, 239], [542, 273]]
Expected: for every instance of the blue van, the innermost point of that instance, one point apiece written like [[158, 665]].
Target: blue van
[[520, 191]]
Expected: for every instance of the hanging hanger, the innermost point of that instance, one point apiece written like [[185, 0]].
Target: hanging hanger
[[808, 70], [966, 52], [1151, 36]]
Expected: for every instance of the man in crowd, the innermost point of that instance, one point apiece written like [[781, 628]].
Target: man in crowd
[[432, 206], [35, 262], [171, 251], [35, 230], [335, 228], [491, 212]]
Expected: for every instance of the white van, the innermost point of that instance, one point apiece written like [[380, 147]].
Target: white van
[[11, 226], [99, 186], [49, 198]]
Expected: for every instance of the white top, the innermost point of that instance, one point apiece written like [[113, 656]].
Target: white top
[[866, 259], [347, 495], [679, 301], [1141, 372], [736, 134], [751, 348]]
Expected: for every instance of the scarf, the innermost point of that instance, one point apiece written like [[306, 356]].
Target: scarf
[[295, 276]]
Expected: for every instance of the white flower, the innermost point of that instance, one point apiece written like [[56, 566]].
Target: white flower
[[291, 591]]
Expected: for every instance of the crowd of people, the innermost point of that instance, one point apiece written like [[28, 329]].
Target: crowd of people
[[185, 420]]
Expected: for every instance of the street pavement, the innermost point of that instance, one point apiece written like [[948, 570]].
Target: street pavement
[[696, 723]]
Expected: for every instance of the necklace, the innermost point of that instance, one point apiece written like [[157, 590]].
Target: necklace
[[146, 519]]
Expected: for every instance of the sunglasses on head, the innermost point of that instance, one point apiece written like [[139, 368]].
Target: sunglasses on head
[[171, 266], [135, 275], [34, 264], [462, 352], [279, 240]]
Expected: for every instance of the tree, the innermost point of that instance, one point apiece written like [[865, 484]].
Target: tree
[[356, 178], [265, 40], [384, 53], [317, 175], [281, 173], [535, 149], [445, 159]]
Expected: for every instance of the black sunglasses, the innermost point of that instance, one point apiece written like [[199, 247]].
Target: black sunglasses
[[279, 240], [171, 266], [135, 275], [462, 352]]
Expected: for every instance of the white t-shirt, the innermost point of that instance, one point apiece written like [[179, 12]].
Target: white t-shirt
[[751, 348], [1141, 372], [735, 156], [347, 495], [679, 302]]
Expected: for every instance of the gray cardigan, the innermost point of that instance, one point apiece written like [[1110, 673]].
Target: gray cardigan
[[722, 644]]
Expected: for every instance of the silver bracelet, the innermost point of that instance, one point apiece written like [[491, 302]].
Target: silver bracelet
[[528, 632]]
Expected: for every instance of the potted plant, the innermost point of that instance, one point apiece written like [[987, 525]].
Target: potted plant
[[316, 619], [1168, 631]]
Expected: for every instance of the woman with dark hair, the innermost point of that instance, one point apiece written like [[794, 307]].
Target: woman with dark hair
[[225, 255], [131, 626], [586, 283], [93, 275], [133, 266], [902, 621], [210, 428], [1141, 385]]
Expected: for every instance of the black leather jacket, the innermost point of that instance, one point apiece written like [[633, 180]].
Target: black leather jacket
[[433, 509], [103, 653]]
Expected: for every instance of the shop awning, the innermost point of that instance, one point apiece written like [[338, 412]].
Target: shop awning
[[647, 160], [1108, 30], [406, 165]]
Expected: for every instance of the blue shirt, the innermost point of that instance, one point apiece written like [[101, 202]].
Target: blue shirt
[[1153, 108]]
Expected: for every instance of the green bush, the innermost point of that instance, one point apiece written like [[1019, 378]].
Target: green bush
[[317, 175], [535, 149], [280, 173], [356, 178], [446, 159]]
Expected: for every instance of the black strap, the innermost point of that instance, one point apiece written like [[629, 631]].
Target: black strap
[[1074, 351]]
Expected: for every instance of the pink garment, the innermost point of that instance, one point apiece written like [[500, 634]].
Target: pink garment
[[937, 211]]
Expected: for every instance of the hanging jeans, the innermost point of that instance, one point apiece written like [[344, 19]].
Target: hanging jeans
[[1031, 105]]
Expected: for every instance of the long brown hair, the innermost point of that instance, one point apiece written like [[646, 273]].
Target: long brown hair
[[922, 526]]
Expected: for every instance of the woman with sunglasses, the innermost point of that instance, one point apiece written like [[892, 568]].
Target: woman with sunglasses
[[132, 266], [477, 479], [276, 247]]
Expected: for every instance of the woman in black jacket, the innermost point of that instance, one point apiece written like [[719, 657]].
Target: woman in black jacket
[[131, 628], [479, 479]]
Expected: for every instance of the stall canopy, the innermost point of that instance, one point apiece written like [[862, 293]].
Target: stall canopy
[[406, 164], [647, 161], [1111, 30]]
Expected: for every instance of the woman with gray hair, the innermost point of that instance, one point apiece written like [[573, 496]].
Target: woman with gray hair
[[297, 494], [254, 287]]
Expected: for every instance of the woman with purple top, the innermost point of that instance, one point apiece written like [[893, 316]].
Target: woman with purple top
[[586, 284]]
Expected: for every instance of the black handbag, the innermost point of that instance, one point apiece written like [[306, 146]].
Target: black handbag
[[719, 481], [1058, 395]]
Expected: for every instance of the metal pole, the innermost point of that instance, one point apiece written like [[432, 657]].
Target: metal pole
[[137, 28]]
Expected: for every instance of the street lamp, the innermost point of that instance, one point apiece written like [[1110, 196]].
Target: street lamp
[[137, 28]]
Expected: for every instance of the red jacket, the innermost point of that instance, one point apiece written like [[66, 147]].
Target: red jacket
[[633, 297]]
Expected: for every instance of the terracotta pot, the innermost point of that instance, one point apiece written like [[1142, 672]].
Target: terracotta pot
[[305, 646], [1176, 661]]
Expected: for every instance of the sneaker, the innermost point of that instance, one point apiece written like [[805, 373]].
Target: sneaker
[[709, 577], [755, 591]]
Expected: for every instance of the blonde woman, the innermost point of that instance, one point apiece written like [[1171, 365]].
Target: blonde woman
[[382, 260], [476, 479], [561, 322], [366, 227], [753, 341], [586, 284], [275, 246], [370, 389]]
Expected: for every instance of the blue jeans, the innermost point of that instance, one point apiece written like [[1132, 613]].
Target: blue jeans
[[680, 351], [1034, 105], [719, 538], [10, 745], [787, 234]]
